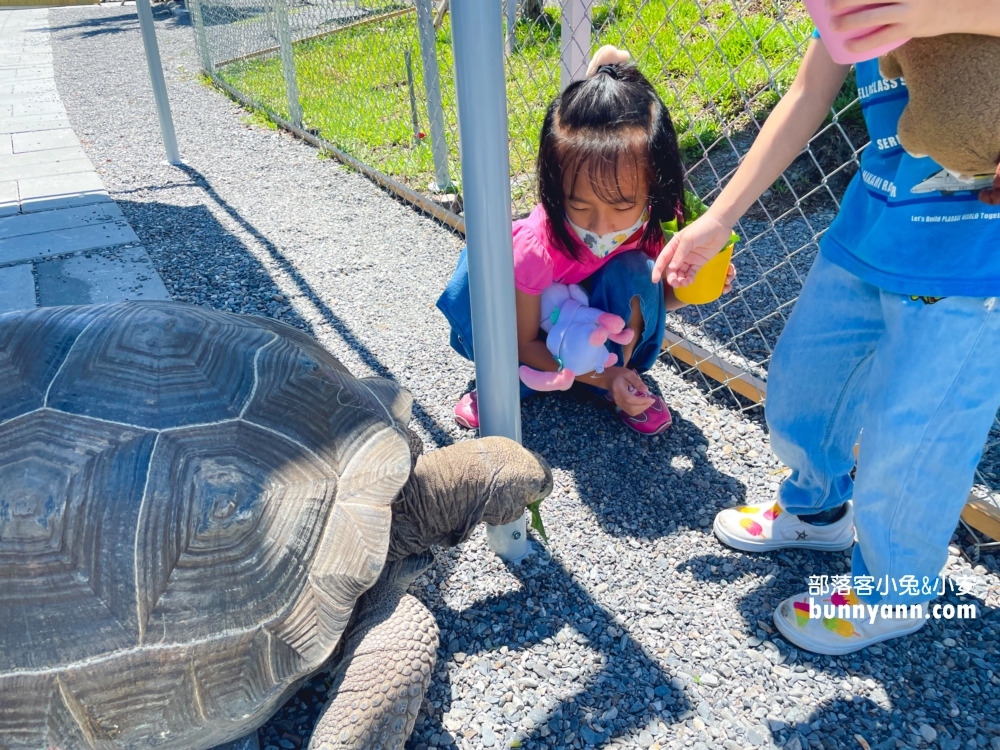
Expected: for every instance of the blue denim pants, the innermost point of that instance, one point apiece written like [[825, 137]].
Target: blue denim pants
[[611, 289], [920, 379]]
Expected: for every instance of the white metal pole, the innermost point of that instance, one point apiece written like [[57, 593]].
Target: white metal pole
[[200, 38], [574, 41], [156, 78], [477, 40], [432, 89], [284, 35], [511, 8]]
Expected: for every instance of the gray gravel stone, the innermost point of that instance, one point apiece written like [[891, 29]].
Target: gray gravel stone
[[258, 224]]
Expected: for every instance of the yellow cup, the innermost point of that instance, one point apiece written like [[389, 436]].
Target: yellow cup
[[708, 282]]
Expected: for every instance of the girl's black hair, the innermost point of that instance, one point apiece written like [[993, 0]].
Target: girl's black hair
[[597, 124]]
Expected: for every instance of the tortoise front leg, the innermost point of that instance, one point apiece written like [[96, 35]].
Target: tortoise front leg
[[379, 682]]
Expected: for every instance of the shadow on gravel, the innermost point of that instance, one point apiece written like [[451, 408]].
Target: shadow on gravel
[[636, 486], [525, 622], [924, 678], [201, 229], [104, 24]]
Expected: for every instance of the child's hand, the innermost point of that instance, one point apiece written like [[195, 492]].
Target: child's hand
[[730, 277], [607, 55], [991, 196], [628, 391], [904, 19], [690, 249]]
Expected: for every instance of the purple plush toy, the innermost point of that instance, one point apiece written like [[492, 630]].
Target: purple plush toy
[[576, 336]]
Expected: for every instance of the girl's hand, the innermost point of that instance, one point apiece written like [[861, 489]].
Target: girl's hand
[[628, 391], [690, 249], [607, 55], [904, 19]]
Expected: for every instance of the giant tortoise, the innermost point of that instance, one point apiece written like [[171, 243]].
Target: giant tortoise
[[197, 511]]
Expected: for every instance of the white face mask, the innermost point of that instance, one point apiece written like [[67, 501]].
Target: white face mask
[[605, 244]]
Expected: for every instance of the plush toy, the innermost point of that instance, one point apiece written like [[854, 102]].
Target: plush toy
[[576, 336], [953, 115]]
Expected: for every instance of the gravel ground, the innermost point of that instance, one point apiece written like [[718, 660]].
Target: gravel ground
[[634, 628]]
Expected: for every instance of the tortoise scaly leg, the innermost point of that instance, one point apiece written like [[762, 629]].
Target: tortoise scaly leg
[[379, 682]]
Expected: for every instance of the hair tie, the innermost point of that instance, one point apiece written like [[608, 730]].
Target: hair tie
[[610, 70]]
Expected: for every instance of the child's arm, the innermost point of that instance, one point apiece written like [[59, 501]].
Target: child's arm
[[904, 19], [785, 133], [531, 350]]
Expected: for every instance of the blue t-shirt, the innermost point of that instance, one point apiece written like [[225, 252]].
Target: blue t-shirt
[[905, 225]]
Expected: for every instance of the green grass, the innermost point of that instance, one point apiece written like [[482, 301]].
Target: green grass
[[711, 67]]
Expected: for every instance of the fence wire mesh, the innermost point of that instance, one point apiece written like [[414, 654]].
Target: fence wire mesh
[[375, 79]]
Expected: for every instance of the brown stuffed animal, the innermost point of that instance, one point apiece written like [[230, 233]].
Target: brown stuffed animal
[[953, 114]]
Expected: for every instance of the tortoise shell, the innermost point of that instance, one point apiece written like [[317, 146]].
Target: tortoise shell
[[191, 502]]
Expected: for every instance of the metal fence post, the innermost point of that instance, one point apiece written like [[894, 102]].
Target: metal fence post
[[432, 89], [287, 61], [574, 41], [477, 38], [200, 40], [511, 7], [156, 79]]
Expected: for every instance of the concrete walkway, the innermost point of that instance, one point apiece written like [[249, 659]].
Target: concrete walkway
[[63, 241]]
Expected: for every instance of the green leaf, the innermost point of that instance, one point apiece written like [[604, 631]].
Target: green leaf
[[536, 520], [693, 209]]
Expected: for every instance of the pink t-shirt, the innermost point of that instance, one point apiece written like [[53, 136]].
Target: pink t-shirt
[[539, 263]]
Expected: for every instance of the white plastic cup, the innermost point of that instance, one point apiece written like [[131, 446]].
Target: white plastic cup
[[835, 41], [510, 541]]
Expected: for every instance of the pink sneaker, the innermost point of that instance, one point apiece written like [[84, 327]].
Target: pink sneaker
[[467, 411], [653, 421]]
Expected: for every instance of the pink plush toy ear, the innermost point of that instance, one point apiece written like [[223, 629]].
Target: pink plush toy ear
[[625, 337], [613, 323], [537, 380]]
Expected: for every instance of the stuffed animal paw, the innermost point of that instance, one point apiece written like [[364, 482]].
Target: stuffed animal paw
[[576, 337]]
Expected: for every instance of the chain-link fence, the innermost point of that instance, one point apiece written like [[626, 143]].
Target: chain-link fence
[[373, 81]]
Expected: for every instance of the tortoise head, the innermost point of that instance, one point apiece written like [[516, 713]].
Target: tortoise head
[[451, 490]]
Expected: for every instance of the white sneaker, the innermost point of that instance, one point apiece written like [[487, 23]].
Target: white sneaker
[[759, 528], [805, 621]]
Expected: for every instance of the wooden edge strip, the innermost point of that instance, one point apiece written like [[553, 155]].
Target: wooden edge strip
[[320, 35], [983, 516], [729, 375]]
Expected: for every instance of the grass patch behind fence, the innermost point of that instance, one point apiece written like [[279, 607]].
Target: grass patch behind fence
[[711, 61]]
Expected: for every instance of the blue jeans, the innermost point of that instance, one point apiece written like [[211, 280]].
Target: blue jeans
[[611, 289], [920, 379]]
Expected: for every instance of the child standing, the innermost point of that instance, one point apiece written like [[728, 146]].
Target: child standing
[[896, 332], [609, 171]]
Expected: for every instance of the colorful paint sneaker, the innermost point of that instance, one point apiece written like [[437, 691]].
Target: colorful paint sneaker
[[467, 411], [653, 421], [839, 624], [760, 528]]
